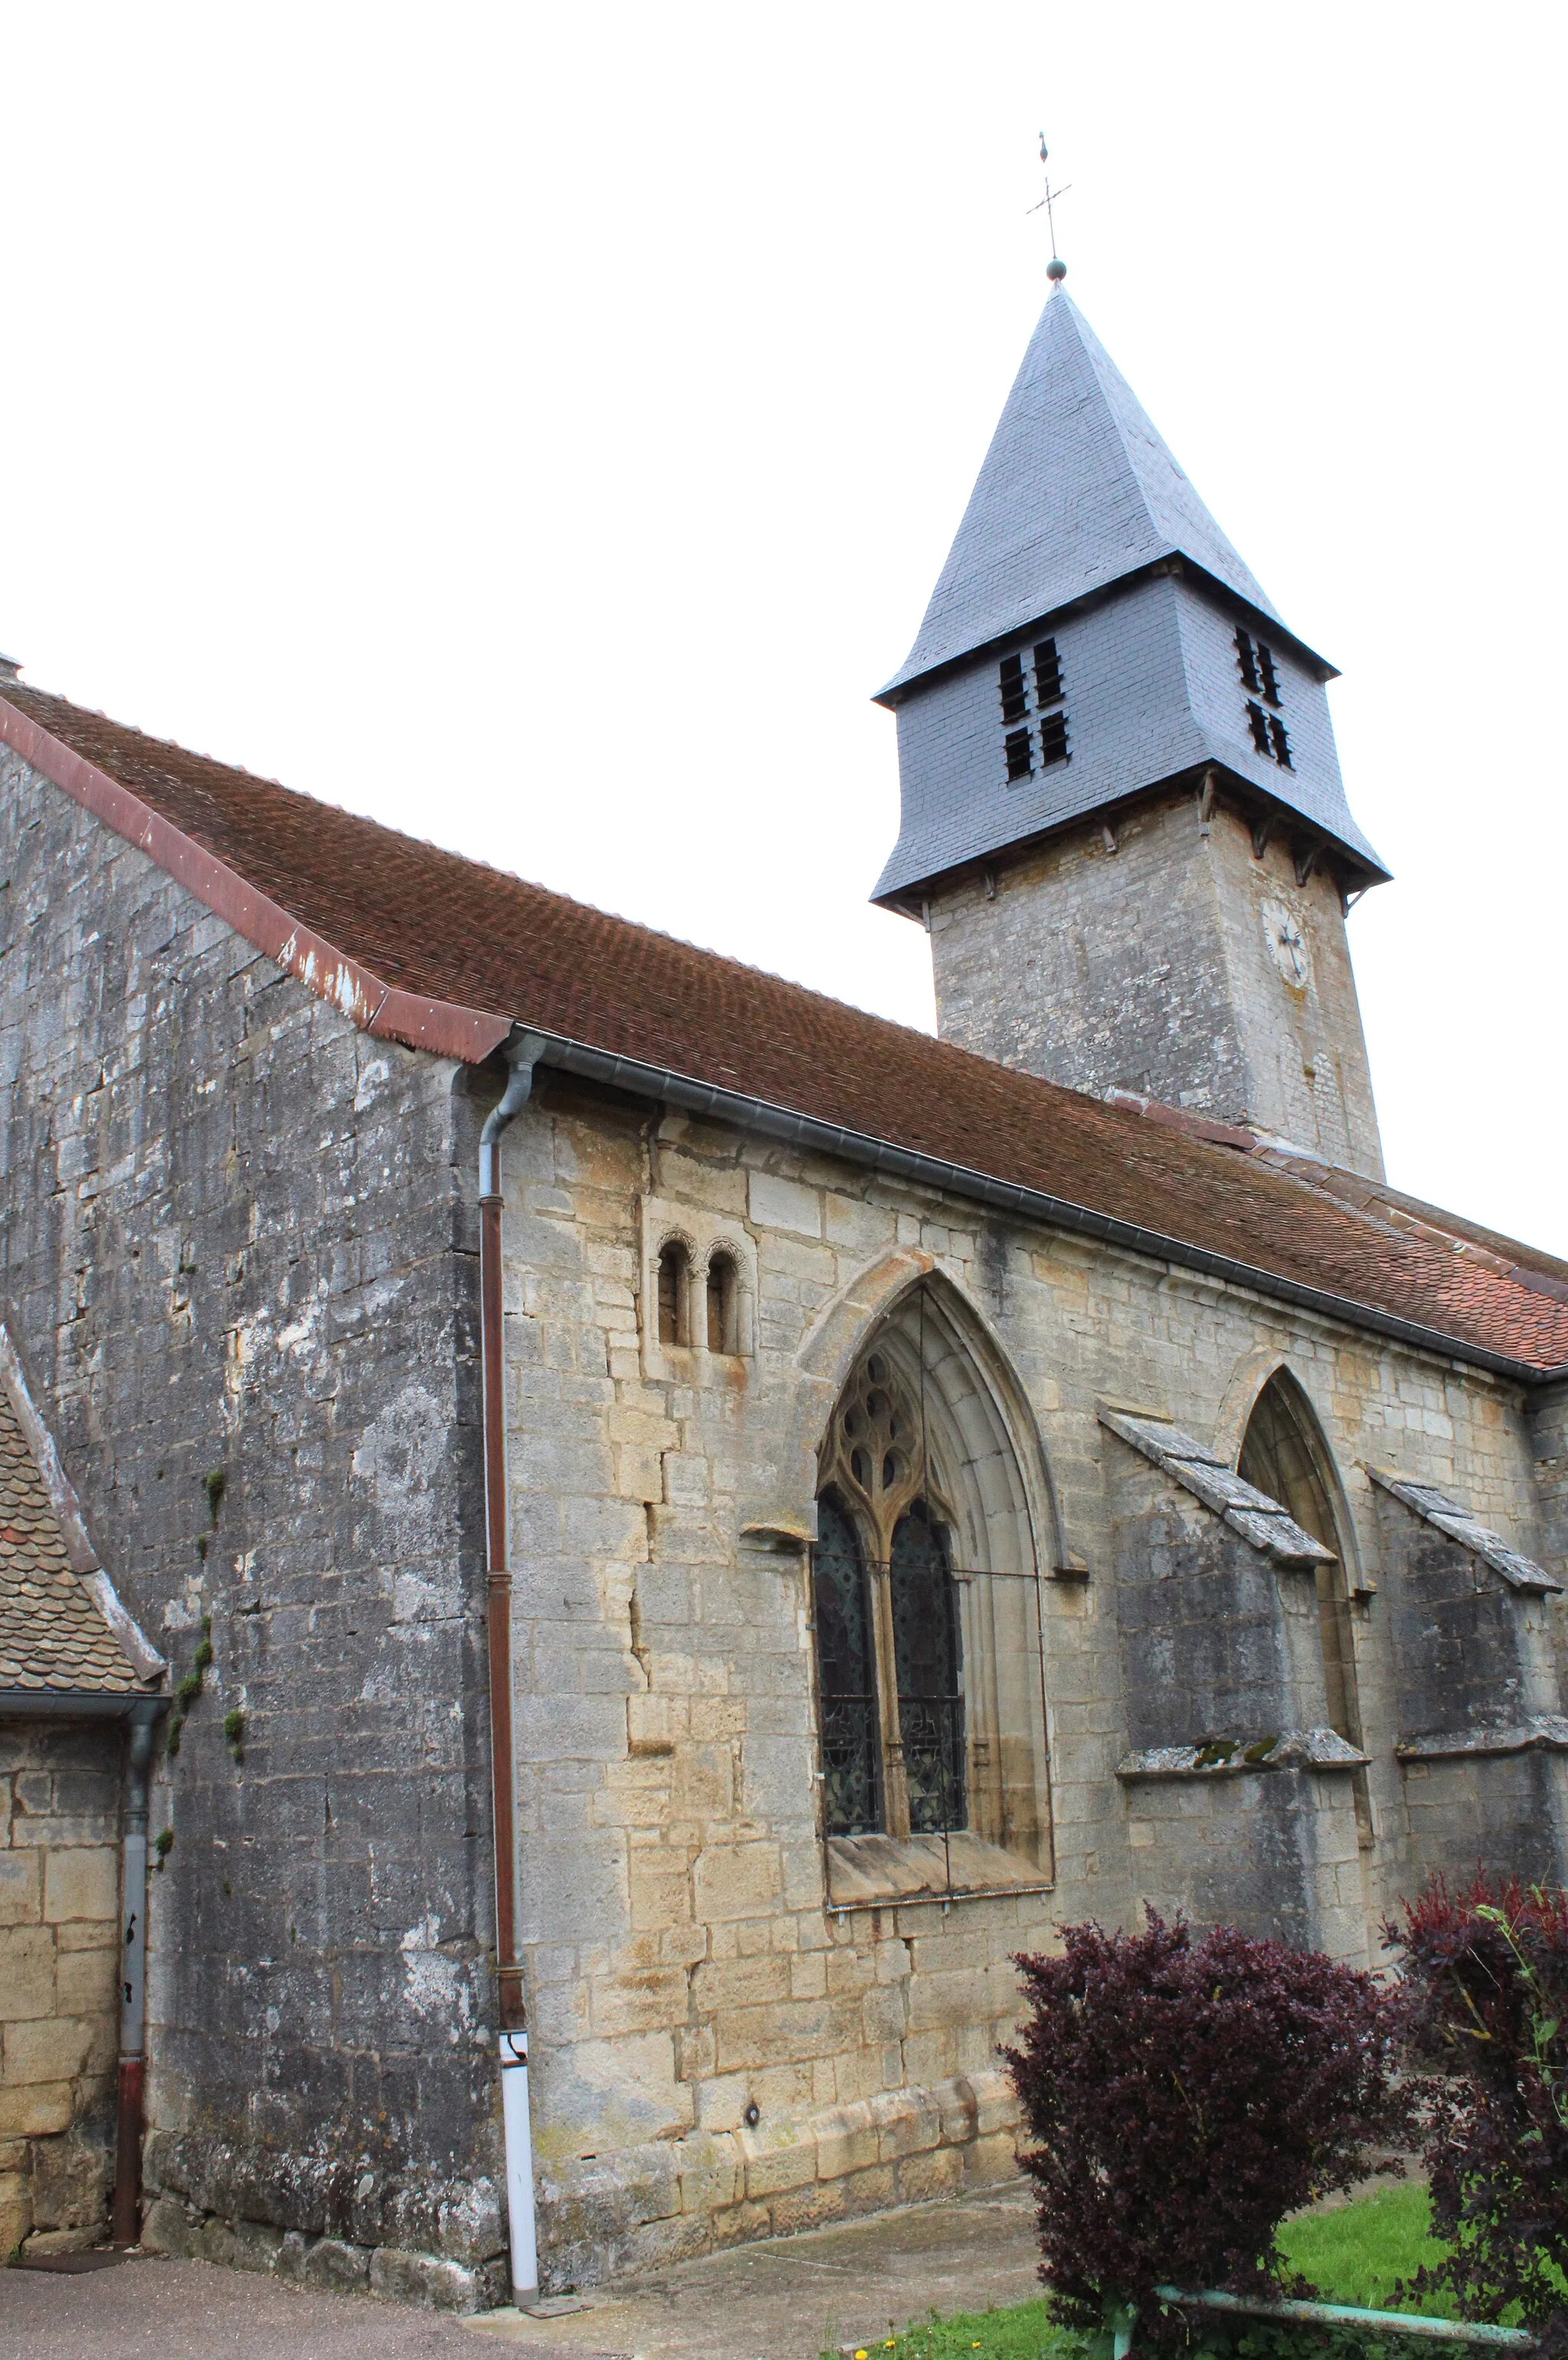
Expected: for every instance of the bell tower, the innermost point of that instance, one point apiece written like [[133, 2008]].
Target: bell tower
[[1123, 822]]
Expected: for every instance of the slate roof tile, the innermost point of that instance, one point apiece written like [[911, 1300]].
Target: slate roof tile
[[1077, 491]]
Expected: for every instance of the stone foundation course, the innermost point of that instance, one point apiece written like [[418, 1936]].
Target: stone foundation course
[[645, 2207], [330, 2264], [337, 2224]]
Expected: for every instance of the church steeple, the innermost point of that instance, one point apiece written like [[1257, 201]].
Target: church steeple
[[1077, 491], [1095, 651]]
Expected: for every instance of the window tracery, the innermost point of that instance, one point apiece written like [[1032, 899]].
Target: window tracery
[[926, 1599]]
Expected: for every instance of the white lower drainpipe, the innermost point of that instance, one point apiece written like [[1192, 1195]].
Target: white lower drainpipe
[[514, 2040], [519, 2139]]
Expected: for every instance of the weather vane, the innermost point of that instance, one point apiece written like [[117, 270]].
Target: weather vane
[[1055, 270]]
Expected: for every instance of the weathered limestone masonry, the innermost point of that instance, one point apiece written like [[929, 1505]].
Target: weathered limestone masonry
[[236, 1259], [60, 1823], [1163, 956], [1548, 1417], [719, 2052]]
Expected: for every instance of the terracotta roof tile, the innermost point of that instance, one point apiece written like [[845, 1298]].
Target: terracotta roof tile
[[429, 923], [52, 1637]]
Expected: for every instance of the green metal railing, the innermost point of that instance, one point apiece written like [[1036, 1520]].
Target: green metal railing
[[1334, 2314]]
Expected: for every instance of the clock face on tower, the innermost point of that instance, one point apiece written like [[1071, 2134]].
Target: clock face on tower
[[1288, 943]]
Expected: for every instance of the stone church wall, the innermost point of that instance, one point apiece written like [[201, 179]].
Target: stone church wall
[[719, 2052], [234, 1253], [59, 1952]]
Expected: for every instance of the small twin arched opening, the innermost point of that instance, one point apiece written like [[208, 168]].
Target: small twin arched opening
[[703, 1306]]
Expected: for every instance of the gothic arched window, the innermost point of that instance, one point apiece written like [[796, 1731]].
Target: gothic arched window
[[1283, 1453], [882, 1505], [1280, 1453], [926, 1596]]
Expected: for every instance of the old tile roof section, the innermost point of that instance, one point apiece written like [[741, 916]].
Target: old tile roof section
[[1260, 1520], [52, 1635], [429, 924], [1456, 1524]]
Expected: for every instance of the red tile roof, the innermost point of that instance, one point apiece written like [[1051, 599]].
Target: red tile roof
[[415, 942], [53, 1638]]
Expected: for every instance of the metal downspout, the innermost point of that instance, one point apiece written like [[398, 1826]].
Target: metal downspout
[[513, 2039], [133, 1976]]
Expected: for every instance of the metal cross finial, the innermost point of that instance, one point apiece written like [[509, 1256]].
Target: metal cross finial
[[1055, 270]]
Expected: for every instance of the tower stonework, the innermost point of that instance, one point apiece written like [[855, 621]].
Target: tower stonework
[[1178, 965], [1123, 821]]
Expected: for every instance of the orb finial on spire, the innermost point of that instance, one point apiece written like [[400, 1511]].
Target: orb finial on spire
[[1055, 270]]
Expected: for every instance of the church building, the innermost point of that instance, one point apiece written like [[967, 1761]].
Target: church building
[[593, 1540]]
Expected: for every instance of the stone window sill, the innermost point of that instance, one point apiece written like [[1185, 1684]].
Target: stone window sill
[[866, 1871]]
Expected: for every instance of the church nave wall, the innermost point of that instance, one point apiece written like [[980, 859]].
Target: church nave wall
[[686, 1962]]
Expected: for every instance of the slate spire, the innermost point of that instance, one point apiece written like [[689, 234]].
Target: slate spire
[[1122, 821], [1095, 636], [1077, 491]]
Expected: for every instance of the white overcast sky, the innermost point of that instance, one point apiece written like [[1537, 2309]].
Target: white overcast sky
[[541, 428]]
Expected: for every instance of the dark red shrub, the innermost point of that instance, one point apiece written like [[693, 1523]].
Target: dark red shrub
[[1487, 2000], [1186, 2094]]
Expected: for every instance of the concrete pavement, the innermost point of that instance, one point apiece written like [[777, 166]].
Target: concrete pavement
[[789, 2299]]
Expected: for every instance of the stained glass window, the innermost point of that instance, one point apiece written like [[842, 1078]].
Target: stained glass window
[[927, 1662], [846, 1675]]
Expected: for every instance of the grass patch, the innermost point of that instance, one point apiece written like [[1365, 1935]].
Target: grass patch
[[1022, 2332], [1359, 2251], [1356, 2253]]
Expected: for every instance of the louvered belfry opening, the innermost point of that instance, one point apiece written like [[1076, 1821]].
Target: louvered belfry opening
[[1034, 722], [926, 1607]]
